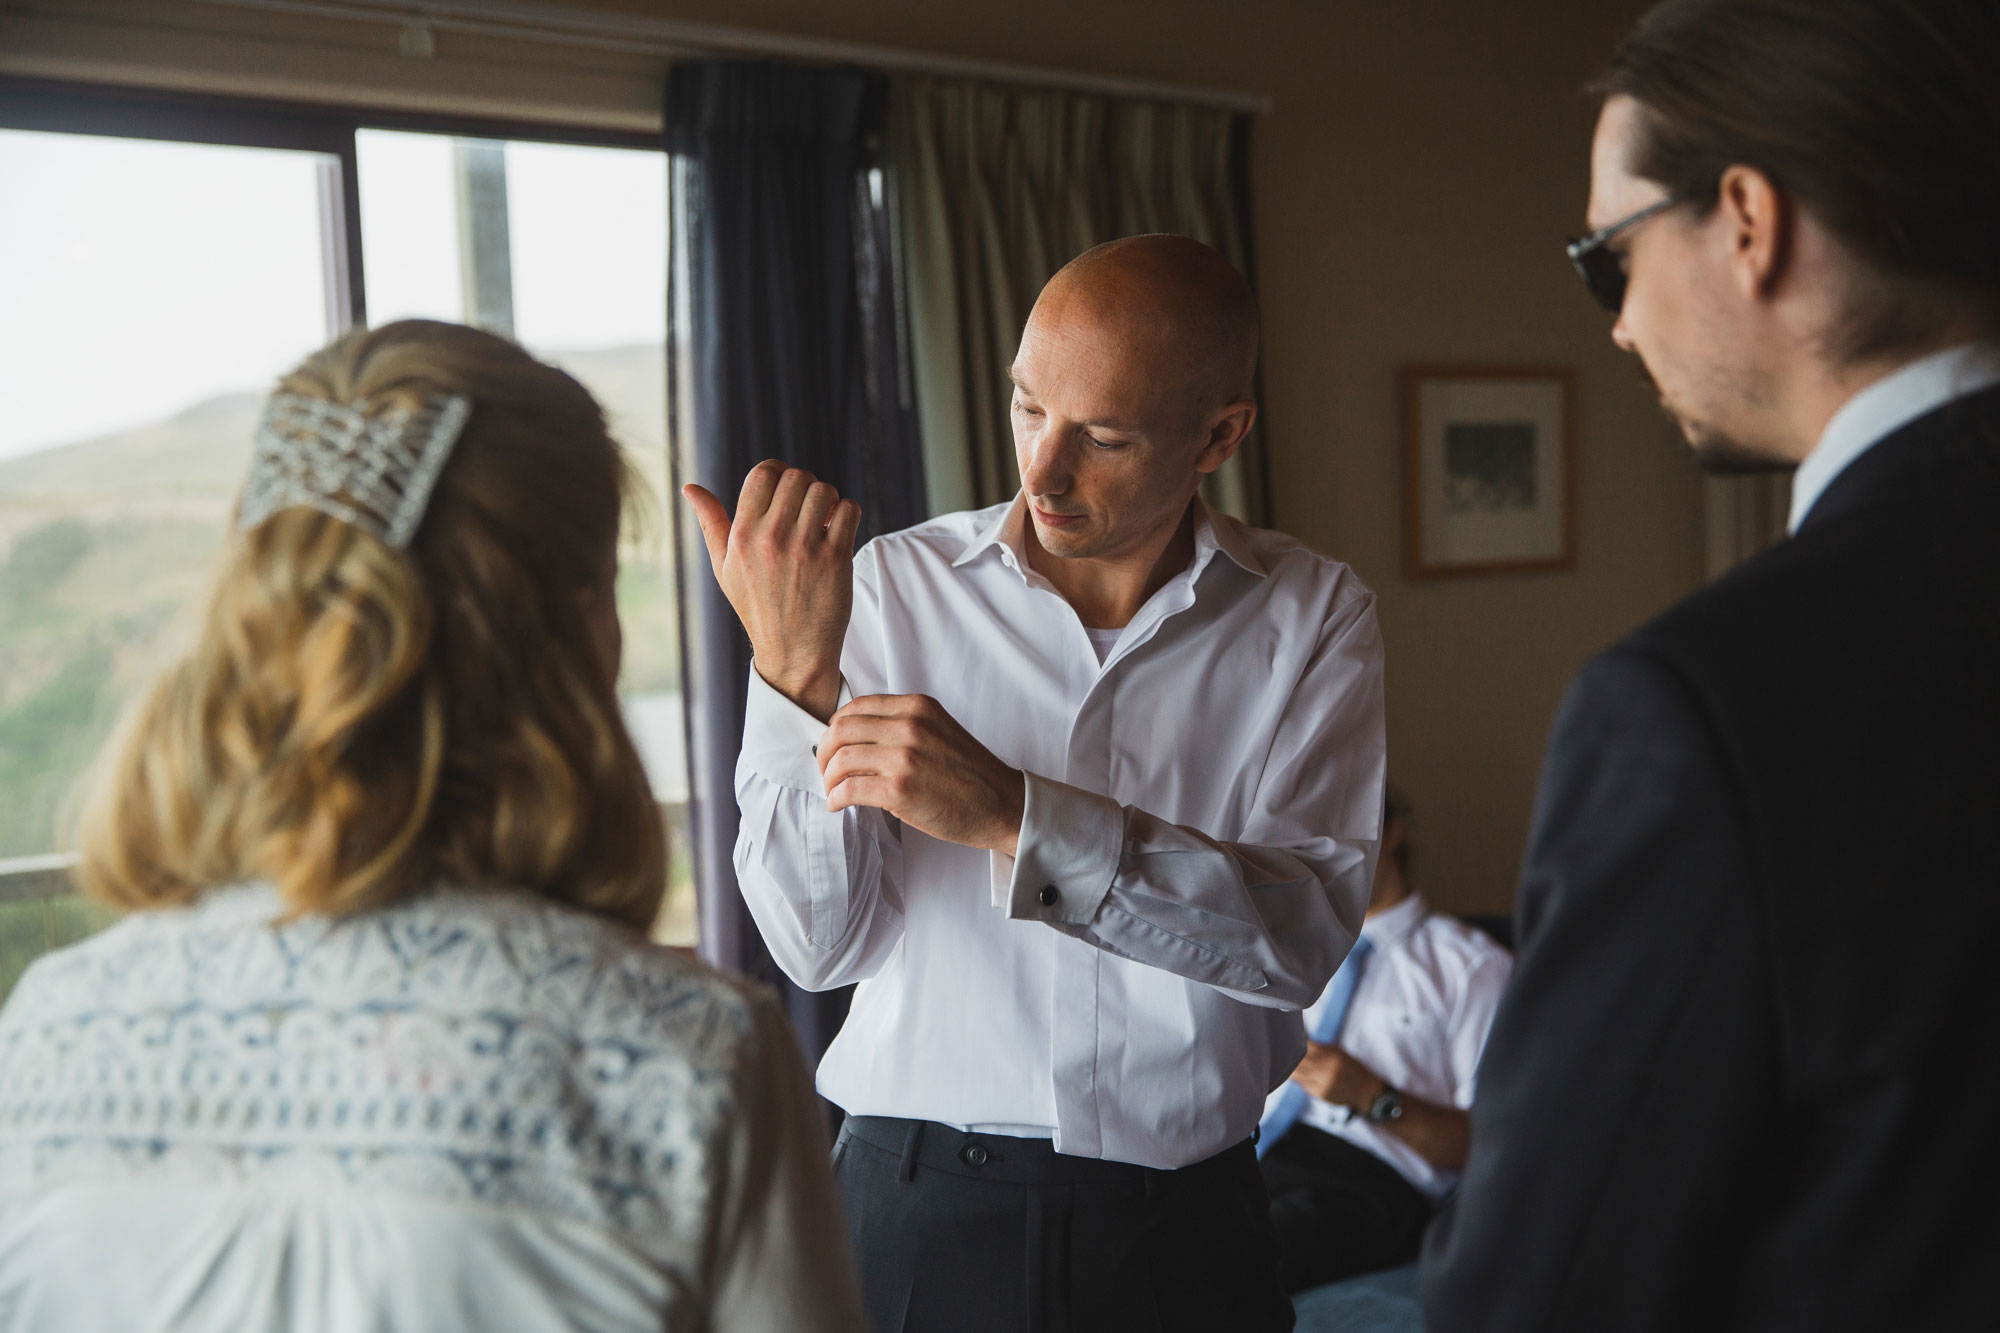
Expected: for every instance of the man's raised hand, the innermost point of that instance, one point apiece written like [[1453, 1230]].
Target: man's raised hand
[[786, 563]]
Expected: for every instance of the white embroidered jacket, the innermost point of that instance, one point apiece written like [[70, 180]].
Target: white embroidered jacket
[[468, 1110]]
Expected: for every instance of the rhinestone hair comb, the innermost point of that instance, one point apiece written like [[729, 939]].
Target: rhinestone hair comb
[[374, 472]]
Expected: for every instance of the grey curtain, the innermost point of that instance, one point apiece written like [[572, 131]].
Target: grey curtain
[[783, 344], [1000, 187], [1745, 515]]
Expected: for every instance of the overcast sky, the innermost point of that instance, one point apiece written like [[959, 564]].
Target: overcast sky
[[138, 278]]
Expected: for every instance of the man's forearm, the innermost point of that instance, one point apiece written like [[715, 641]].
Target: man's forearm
[[814, 884], [815, 691], [1171, 897], [1439, 1134]]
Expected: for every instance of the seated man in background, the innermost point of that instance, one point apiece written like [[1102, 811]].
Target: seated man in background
[[1372, 1129]]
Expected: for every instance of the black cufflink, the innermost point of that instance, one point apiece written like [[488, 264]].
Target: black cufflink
[[1048, 897]]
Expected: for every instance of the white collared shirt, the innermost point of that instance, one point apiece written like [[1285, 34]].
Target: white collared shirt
[[1885, 407], [1203, 812], [1419, 1019]]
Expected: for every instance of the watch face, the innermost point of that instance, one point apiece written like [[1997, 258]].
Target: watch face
[[1386, 1106]]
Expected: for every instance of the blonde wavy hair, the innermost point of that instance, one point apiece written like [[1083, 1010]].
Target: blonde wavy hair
[[356, 723]]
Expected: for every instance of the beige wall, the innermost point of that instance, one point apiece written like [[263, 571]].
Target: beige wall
[[1421, 165]]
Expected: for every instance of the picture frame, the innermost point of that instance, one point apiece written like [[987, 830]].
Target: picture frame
[[1489, 469]]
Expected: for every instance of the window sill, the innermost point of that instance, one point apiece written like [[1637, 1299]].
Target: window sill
[[29, 878]]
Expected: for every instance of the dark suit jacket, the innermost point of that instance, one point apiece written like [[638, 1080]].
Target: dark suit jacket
[[1747, 1075]]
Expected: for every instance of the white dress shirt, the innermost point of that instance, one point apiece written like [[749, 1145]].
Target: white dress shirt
[[1419, 1019], [468, 1110], [1203, 812], [1885, 407]]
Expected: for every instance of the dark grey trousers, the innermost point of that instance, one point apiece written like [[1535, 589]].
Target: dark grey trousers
[[972, 1233], [1338, 1210]]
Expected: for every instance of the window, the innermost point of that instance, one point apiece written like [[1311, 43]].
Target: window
[[563, 248], [153, 289]]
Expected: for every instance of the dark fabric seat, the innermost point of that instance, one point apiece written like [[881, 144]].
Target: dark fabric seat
[[1384, 1302]]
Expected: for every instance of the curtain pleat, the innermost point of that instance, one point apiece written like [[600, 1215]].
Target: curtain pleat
[[784, 344], [1001, 187], [1745, 515]]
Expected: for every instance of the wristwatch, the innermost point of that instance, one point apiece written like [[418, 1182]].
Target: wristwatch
[[1387, 1106]]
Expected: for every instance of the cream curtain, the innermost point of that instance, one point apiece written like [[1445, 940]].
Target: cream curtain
[[998, 188], [1745, 515]]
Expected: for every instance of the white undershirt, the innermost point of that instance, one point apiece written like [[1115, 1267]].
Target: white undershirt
[[1885, 407], [1103, 641]]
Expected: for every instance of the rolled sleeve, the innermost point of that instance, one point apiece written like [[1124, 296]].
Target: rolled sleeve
[[1070, 843]]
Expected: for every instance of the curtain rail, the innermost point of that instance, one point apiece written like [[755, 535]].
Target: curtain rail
[[597, 29]]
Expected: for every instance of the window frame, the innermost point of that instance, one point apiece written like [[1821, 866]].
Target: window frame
[[60, 106]]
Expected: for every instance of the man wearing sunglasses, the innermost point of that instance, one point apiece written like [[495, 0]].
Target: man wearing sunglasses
[[1747, 1074]]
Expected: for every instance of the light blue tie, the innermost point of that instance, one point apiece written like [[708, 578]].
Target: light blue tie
[[1339, 992]]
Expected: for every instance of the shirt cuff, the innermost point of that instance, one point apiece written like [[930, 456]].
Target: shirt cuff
[[1069, 849], [778, 738]]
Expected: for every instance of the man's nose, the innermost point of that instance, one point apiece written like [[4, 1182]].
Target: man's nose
[[1047, 470], [1621, 336]]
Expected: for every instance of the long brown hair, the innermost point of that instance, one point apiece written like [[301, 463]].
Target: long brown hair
[[1881, 117], [357, 722]]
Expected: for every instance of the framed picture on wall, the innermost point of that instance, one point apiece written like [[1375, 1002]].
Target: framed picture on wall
[[1489, 472]]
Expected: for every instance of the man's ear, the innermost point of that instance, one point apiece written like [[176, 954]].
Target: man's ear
[[1759, 218], [1226, 431]]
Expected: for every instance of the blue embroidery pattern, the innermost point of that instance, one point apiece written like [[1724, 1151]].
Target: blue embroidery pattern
[[490, 1047]]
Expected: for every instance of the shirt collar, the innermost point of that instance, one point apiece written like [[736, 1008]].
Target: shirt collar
[[1004, 532], [1885, 407], [1224, 534], [1212, 532], [1386, 930]]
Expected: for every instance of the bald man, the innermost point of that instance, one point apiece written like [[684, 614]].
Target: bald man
[[1084, 790]]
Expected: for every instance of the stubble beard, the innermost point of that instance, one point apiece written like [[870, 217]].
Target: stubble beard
[[1718, 455], [1065, 543], [1716, 452]]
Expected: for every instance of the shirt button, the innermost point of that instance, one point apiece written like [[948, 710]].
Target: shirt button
[[973, 1154], [1048, 897]]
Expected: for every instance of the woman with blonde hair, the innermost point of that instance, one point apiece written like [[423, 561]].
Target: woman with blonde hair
[[382, 1044]]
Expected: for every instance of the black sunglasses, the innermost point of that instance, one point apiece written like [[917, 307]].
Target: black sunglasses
[[1601, 270]]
